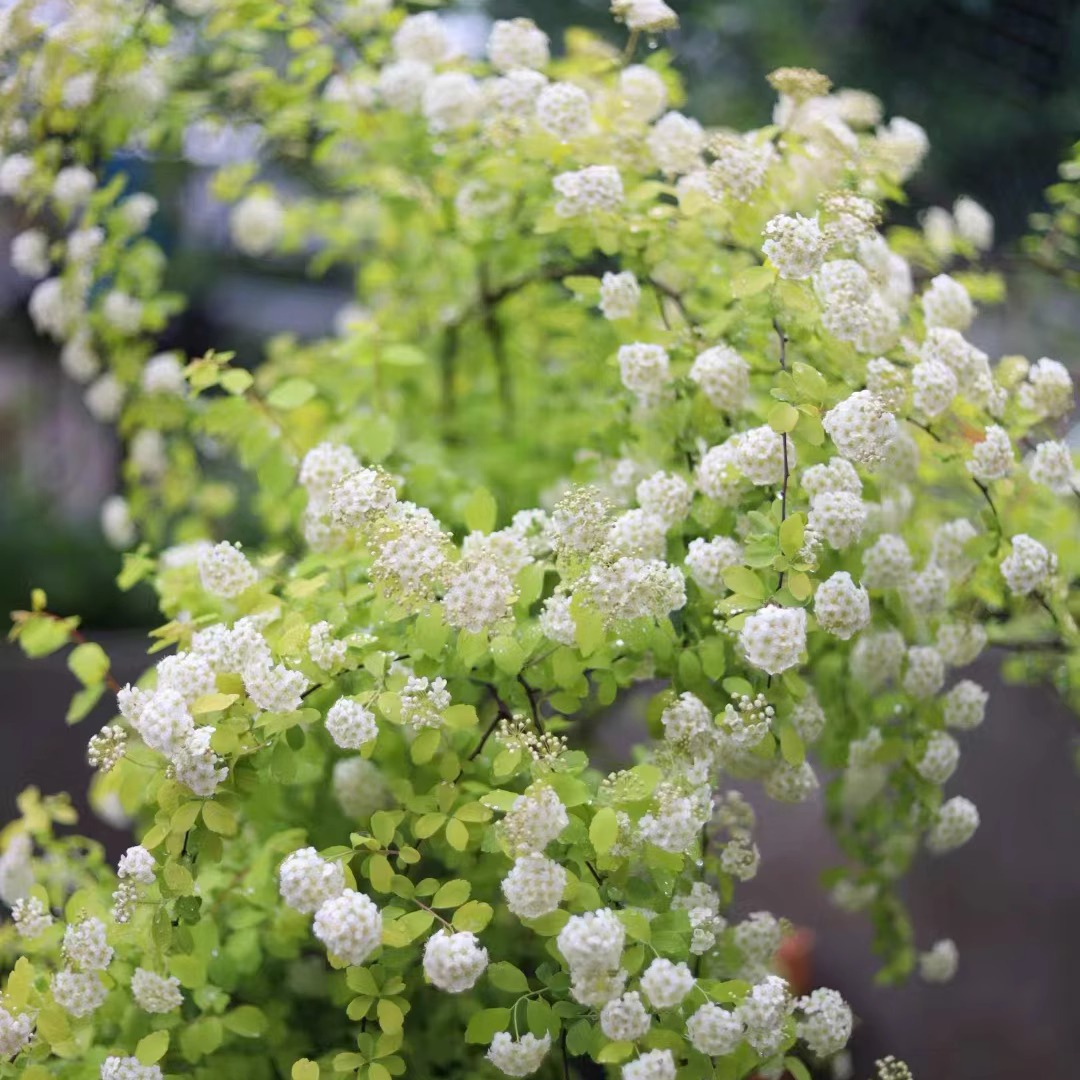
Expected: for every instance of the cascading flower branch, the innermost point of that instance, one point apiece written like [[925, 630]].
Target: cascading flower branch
[[623, 403]]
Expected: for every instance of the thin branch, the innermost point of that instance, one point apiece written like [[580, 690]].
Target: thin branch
[[784, 439], [503, 713], [531, 694]]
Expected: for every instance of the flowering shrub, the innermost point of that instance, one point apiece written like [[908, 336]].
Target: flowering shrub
[[629, 405]]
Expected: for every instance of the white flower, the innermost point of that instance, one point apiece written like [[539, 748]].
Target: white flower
[[837, 517], [625, 1019], [358, 787], [257, 223], [421, 37], [902, 145], [992, 459], [1052, 464], [534, 886], [861, 428], [925, 674], [454, 961], [534, 821], [224, 571], [795, 245], [154, 993], [116, 524], [933, 387], [361, 497], [947, 303], [137, 864], [939, 759], [164, 374], [791, 783], [556, 620], [50, 311], [808, 718], [841, 607], [517, 43], [763, 1012], [954, 826], [887, 563], [16, 1033], [723, 376], [593, 942], [350, 725], [129, 1068], [196, 766], [644, 369], [675, 143], [714, 1031], [423, 701], [1048, 390], [73, 186], [78, 993], [707, 559], [86, 945], [307, 881], [16, 171], [596, 988], [774, 638], [939, 963], [594, 189], [651, 16], [274, 687], [666, 984], [719, 474], [964, 706], [642, 91], [402, 84], [564, 110], [836, 474], [137, 210], [619, 295], [826, 1023], [974, 223], [31, 918], [666, 495], [632, 588], [30, 253], [764, 456], [1028, 566], [518, 1057], [350, 926], [451, 100], [479, 597], [655, 1065], [961, 642]]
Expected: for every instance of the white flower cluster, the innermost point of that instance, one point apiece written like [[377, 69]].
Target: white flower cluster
[[155, 993], [774, 638], [534, 886], [454, 961], [518, 1057], [350, 724], [592, 946]]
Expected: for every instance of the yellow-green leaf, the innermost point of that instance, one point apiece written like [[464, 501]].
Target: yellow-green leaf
[[152, 1048], [604, 830]]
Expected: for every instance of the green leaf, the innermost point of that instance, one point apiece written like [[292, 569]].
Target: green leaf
[[783, 417], [461, 717], [508, 655], [246, 1020], [791, 534], [744, 582], [291, 394], [799, 586], [480, 511], [390, 1015], [457, 835], [604, 830], [236, 380], [151, 1048], [219, 819], [83, 702], [589, 631], [453, 894], [305, 1069], [40, 635], [88, 663], [474, 916], [486, 1024], [425, 745], [791, 745], [402, 356], [797, 1069], [504, 976], [751, 281]]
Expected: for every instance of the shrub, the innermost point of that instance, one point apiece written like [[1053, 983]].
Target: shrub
[[630, 406]]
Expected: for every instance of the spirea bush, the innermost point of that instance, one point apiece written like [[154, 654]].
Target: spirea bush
[[626, 410]]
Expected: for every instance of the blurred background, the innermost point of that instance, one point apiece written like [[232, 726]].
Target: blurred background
[[996, 83]]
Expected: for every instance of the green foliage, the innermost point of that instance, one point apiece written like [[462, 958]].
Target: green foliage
[[372, 836]]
